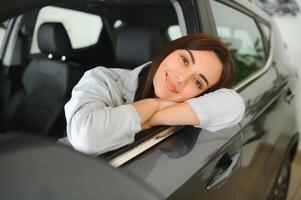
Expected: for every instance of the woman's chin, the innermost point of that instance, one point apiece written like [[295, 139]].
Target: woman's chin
[[166, 96], [169, 98]]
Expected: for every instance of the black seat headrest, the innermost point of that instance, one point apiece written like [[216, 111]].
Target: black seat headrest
[[136, 45], [53, 39]]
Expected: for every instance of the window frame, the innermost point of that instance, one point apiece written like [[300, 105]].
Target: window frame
[[266, 39]]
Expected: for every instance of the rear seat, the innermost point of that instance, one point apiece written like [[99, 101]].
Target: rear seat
[[47, 83], [137, 45]]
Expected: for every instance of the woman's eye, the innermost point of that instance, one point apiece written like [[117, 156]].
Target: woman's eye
[[198, 84], [184, 60]]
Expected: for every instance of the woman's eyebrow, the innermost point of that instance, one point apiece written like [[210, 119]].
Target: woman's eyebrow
[[205, 79], [191, 55], [201, 75]]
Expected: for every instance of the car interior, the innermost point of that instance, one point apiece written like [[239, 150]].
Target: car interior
[[46, 55]]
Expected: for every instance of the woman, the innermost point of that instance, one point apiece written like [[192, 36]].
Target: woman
[[109, 106]]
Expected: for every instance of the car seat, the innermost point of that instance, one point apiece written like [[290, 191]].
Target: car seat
[[136, 45], [47, 83]]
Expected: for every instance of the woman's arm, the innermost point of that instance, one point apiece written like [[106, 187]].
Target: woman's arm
[[207, 111], [97, 119], [179, 114], [148, 107]]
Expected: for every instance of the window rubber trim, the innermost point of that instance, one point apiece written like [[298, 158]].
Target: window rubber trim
[[140, 148]]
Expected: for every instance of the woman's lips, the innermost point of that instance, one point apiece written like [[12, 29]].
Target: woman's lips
[[170, 85]]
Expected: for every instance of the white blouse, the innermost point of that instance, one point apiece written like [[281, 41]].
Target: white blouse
[[100, 115]]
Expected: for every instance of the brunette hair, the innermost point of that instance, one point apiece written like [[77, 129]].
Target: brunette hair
[[198, 41]]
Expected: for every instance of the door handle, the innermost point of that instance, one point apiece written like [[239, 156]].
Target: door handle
[[289, 96], [219, 178]]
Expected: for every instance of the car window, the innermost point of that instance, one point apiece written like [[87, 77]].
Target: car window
[[174, 32], [242, 36], [83, 28], [3, 29], [118, 23]]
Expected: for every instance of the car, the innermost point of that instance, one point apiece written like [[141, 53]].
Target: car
[[46, 46]]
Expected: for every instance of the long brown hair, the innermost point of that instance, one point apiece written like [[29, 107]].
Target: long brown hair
[[198, 41]]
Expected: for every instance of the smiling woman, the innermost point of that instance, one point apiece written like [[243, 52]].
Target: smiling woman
[[109, 106], [186, 73]]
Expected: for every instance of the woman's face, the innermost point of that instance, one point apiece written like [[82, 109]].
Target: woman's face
[[184, 74]]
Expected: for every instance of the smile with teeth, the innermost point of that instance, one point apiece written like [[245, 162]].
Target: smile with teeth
[[170, 85]]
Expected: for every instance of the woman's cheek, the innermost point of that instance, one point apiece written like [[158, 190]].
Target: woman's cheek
[[195, 92]]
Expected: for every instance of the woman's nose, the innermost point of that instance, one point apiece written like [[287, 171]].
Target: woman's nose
[[182, 78]]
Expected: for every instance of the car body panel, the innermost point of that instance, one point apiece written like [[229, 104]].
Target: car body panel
[[35, 168], [201, 149], [269, 123]]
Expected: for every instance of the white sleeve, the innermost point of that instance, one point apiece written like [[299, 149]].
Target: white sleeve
[[217, 110], [94, 124]]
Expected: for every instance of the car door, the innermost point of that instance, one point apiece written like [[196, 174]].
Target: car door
[[266, 88], [37, 168], [190, 163]]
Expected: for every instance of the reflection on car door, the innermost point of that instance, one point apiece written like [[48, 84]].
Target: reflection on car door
[[270, 120], [192, 164], [264, 134]]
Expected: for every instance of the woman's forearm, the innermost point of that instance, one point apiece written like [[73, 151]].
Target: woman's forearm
[[146, 108], [179, 114]]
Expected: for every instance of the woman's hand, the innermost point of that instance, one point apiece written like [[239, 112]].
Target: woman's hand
[[162, 104], [178, 114], [146, 125], [146, 108]]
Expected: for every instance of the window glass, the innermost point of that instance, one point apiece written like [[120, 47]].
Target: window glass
[[2, 33], [174, 32], [83, 29], [3, 28], [118, 23], [242, 36]]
